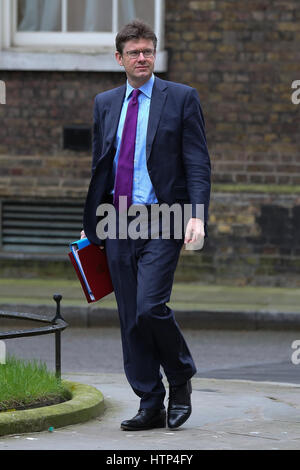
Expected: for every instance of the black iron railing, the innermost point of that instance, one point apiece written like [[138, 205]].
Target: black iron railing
[[56, 326]]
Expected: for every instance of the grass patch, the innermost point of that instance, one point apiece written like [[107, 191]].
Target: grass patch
[[28, 384]]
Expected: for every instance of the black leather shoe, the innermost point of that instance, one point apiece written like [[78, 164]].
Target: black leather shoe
[[180, 407], [146, 418]]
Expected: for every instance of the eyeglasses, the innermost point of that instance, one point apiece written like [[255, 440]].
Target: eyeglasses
[[147, 53]]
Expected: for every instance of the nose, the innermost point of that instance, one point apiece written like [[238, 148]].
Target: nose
[[139, 56]]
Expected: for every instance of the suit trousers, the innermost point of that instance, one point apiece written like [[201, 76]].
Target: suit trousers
[[142, 272]]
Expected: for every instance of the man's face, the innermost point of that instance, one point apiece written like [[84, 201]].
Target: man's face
[[138, 69]]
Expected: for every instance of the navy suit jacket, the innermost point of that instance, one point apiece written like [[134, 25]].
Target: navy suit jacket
[[177, 157]]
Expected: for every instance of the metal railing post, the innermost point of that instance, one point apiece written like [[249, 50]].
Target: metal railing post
[[57, 298]]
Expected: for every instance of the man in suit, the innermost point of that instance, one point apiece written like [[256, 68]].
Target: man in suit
[[170, 164]]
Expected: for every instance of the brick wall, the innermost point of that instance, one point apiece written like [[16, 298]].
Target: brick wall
[[39, 104], [242, 58], [253, 239]]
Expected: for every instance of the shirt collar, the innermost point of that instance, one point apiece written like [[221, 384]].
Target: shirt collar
[[146, 88]]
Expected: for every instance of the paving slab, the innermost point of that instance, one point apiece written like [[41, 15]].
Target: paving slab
[[227, 414]]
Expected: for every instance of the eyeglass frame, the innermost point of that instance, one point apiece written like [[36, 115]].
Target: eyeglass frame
[[138, 52]]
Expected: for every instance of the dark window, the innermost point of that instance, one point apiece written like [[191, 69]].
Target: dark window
[[77, 138]]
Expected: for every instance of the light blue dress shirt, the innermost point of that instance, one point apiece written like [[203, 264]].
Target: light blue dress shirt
[[142, 192]]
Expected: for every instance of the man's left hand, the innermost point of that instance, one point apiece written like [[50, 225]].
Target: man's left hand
[[194, 231]]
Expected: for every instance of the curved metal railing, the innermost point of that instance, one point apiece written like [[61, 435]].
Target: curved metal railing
[[56, 326]]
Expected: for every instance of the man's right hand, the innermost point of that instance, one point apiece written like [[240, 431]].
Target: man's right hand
[[83, 235]]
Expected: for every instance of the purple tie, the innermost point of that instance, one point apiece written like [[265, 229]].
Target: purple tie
[[124, 176]]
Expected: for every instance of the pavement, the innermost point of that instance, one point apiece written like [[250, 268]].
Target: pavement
[[227, 414]]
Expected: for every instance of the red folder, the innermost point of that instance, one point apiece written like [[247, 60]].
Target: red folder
[[95, 268]]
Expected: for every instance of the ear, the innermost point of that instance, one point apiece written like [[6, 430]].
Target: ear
[[119, 58]]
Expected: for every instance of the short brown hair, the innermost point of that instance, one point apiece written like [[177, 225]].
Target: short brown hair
[[137, 29]]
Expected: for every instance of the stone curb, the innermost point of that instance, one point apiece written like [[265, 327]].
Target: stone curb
[[87, 402], [201, 318]]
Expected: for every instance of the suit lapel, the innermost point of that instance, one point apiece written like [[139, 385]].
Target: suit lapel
[[158, 98], [114, 116]]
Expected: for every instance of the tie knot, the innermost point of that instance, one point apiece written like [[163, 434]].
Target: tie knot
[[135, 94]]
